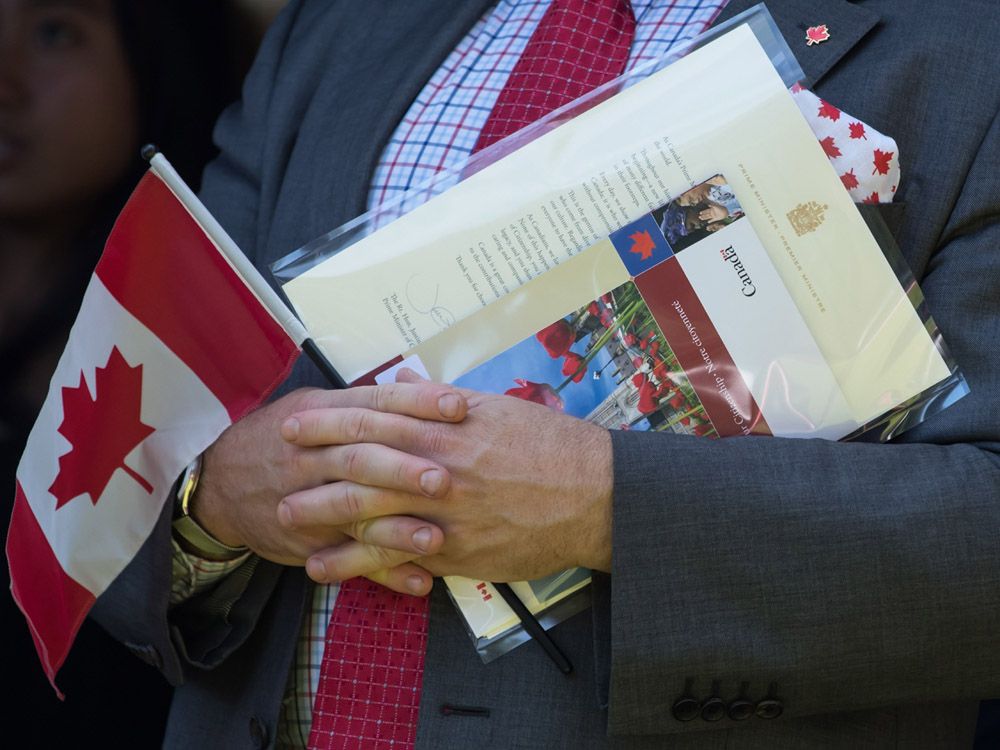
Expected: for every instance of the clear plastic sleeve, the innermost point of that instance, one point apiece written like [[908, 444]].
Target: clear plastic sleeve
[[795, 316]]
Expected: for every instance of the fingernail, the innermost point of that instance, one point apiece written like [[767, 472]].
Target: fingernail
[[449, 405], [431, 481], [422, 538], [415, 584], [290, 429], [316, 569], [285, 515]]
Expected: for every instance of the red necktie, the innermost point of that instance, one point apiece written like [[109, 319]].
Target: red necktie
[[370, 679]]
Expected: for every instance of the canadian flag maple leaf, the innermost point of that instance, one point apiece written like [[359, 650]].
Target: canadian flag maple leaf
[[872, 199], [103, 430], [642, 245], [830, 147], [828, 110], [857, 130], [881, 161], [849, 179]]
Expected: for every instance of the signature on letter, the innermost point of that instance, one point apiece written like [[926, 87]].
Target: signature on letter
[[424, 301]]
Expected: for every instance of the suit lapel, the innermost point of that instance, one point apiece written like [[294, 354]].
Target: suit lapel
[[372, 67], [847, 23]]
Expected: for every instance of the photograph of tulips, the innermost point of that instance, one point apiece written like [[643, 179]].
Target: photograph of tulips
[[607, 362]]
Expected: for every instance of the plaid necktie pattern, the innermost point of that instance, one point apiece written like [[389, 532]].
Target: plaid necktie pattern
[[373, 665], [369, 686]]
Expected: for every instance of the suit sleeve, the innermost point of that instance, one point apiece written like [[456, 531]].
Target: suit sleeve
[[205, 630], [829, 576]]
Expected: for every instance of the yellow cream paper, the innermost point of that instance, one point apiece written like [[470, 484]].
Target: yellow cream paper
[[721, 109]]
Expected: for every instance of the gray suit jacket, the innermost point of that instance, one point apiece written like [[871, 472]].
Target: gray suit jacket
[[856, 585]]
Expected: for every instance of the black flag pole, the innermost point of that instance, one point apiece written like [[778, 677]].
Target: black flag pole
[[297, 332]]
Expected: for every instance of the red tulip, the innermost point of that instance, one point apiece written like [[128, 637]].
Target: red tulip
[[629, 339], [594, 309], [556, 338], [574, 365], [677, 400], [647, 398], [540, 393], [638, 379]]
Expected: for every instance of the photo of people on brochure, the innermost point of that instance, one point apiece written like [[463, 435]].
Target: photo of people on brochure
[[607, 362], [698, 212]]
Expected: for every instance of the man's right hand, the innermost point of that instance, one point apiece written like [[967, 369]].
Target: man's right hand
[[250, 468]]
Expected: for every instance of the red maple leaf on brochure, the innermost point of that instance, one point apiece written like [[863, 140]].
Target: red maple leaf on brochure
[[849, 179], [828, 110], [102, 429], [642, 245], [881, 161], [830, 147], [872, 199], [857, 130]]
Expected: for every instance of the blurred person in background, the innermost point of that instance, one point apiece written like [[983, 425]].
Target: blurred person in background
[[83, 83]]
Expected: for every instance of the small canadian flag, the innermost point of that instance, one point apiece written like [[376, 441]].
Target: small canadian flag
[[169, 348]]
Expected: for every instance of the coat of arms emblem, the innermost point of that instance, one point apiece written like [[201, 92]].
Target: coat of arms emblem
[[806, 217]]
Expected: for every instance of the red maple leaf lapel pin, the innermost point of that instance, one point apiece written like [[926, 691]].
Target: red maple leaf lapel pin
[[642, 245], [103, 429], [817, 34]]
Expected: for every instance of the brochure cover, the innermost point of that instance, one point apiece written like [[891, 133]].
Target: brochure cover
[[693, 333]]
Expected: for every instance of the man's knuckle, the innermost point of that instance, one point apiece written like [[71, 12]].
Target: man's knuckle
[[433, 438], [299, 462], [353, 503], [359, 530], [382, 397], [383, 557], [354, 462]]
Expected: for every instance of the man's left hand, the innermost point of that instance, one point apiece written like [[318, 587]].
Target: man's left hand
[[530, 491]]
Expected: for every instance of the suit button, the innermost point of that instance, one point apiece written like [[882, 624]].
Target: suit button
[[686, 708], [713, 708], [258, 732], [769, 708], [740, 710]]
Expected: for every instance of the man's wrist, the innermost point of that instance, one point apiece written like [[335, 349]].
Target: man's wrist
[[192, 537]]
